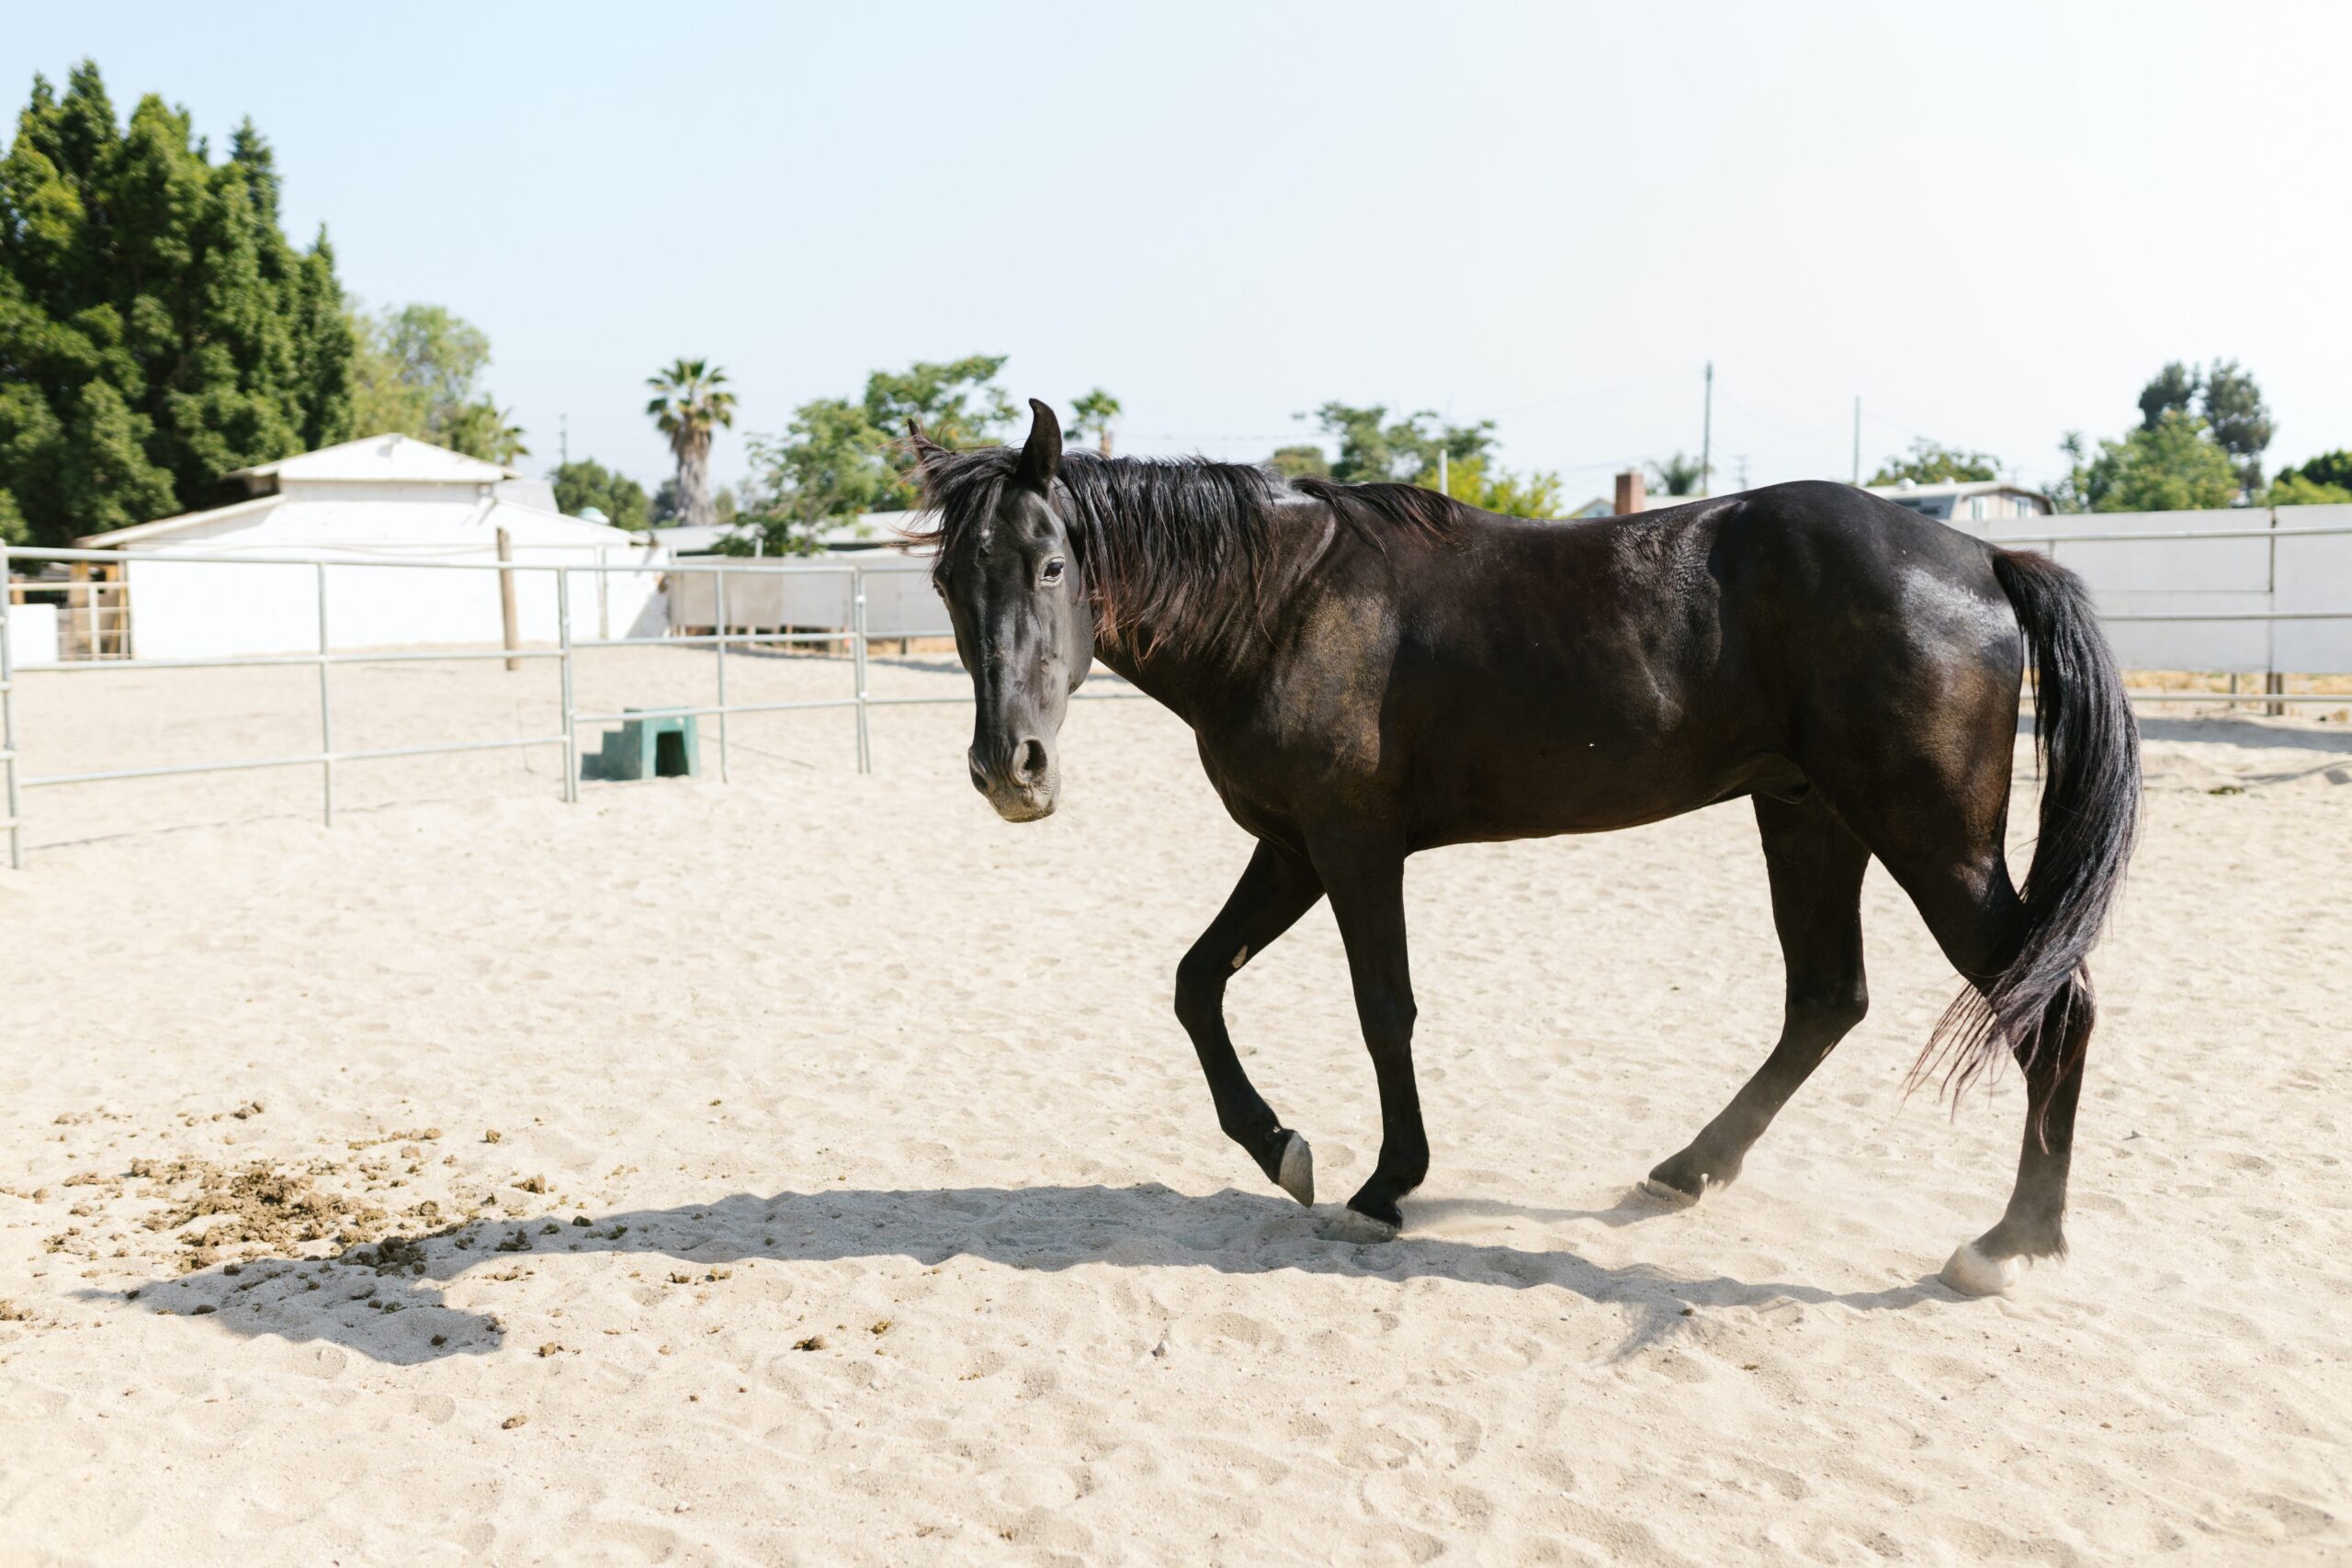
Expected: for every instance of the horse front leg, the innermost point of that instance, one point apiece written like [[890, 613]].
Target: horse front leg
[[1276, 889], [1364, 874]]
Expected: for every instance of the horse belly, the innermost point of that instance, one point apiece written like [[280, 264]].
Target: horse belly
[[1510, 771]]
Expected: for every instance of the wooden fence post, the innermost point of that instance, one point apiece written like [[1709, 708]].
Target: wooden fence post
[[507, 597]]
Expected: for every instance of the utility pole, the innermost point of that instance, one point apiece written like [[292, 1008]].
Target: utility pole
[[1742, 460], [1707, 436], [1442, 472], [1857, 439], [564, 439]]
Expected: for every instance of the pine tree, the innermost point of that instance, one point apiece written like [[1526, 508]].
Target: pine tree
[[157, 329]]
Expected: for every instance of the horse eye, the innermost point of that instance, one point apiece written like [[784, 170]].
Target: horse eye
[[1053, 573]]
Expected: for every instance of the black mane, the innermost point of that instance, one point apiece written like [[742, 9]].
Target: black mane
[[1161, 540]]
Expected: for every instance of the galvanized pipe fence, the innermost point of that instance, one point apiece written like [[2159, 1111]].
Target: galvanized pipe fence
[[327, 759]]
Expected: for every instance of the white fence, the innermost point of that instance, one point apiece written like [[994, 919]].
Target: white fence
[[898, 598], [2265, 589], [2174, 592], [831, 587], [190, 605]]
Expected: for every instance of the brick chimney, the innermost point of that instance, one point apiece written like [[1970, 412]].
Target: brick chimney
[[1630, 499]]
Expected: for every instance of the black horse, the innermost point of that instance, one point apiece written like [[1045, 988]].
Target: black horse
[[1373, 670]]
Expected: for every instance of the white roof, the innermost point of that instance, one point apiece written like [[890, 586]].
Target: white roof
[[387, 460], [138, 531], [395, 525], [1956, 487], [865, 528], [1603, 506], [378, 459]]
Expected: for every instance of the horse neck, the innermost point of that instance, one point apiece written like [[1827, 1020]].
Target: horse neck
[[1222, 648]]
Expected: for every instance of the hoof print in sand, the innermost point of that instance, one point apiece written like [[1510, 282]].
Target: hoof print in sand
[[1348, 1224], [1673, 1197]]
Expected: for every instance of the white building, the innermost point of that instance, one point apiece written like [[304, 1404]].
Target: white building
[[866, 531], [385, 499], [1962, 503]]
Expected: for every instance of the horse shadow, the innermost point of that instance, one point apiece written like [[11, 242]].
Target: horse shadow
[[385, 1301]]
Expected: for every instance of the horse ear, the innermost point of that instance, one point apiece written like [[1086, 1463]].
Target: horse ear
[[925, 448], [1041, 456]]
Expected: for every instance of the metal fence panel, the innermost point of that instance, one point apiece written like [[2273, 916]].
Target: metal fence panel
[[2190, 602], [2169, 580], [2314, 573], [901, 601]]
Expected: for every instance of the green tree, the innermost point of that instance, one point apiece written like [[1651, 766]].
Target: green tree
[[1300, 462], [957, 401], [585, 483], [2172, 389], [416, 369], [1094, 413], [691, 402], [2236, 419], [1372, 447], [2239, 420], [1513, 495], [482, 429], [1932, 464], [2329, 470], [2175, 466], [416, 373], [2323, 480], [2294, 490], [1679, 474], [157, 328], [826, 468]]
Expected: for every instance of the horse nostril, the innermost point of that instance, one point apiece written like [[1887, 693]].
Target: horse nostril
[[1029, 765]]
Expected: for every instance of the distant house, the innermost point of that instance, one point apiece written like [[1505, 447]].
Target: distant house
[[866, 531], [1964, 502], [387, 499], [1632, 496]]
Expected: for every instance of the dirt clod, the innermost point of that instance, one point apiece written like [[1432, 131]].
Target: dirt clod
[[256, 1205]]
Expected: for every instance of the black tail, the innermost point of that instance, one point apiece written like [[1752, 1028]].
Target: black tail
[[2089, 746]]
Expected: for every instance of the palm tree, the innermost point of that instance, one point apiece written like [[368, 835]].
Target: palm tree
[[1094, 414], [1677, 475], [690, 403]]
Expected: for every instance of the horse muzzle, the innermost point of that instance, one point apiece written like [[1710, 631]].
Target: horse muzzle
[[1022, 784]]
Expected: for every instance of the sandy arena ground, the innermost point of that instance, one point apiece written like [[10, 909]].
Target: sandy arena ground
[[809, 1169]]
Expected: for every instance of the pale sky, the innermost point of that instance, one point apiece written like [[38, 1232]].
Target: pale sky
[[1992, 222]]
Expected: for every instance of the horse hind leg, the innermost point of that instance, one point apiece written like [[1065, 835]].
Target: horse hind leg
[[1971, 908], [1816, 864], [2034, 1223]]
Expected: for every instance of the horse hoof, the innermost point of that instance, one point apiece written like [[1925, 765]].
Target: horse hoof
[[1298, 1177], [1666, 1194], [1351, 1224], [1973, 1274]]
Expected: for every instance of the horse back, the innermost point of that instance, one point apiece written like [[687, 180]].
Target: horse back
[[1518, 677]]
